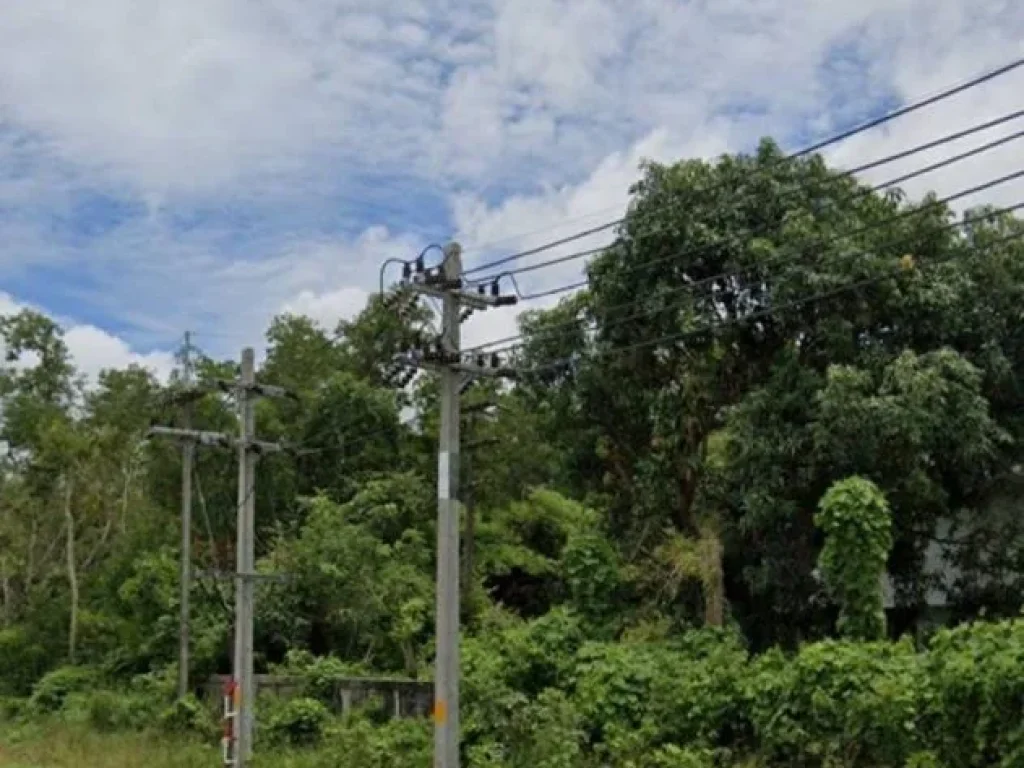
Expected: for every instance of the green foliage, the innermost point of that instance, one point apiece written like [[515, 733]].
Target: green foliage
[[593, 575], [49, 694], [22, 660], [620, 501], [321, 674], [923, 760], [698, 697], [188, 716], [977, 716], [12, 708], [635, 697], [512, 670], [839, 704], [858, 535], [395, 744], [363, 581], [109, 711], [298, 721], [672, 756]]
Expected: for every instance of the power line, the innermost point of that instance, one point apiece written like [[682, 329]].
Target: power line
[[713, 326], [830, 141], [690, 287], [795, 254], [946, 162]]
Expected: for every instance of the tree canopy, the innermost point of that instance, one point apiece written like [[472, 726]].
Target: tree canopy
[[760, 330]]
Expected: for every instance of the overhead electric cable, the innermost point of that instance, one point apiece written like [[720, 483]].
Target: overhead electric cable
[[919, 104]]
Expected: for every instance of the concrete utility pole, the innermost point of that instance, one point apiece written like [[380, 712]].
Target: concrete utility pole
[[246, 556], [185, 579], [238, 744], [246, 390], [447, 359], [446, 706], [184, 398]]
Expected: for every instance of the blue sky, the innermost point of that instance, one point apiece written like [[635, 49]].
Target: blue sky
[[205, 164]]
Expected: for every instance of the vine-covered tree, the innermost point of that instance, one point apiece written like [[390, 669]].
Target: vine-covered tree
[[854, 516]]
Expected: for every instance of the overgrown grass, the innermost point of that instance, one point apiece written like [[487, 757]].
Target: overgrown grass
[[57, 745]]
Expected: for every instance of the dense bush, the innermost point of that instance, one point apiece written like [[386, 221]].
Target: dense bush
[[976, 674], [837, 703], [12, 708], [298, 722], [49, 694], [22, 661], [320, 675], [188, 716], [107, 711], [396, 744], [536, 696]]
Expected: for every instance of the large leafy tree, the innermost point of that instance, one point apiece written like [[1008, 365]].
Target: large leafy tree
[[720, 313]]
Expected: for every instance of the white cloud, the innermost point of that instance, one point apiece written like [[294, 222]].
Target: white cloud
[[93, 349], [284, 131], [328, 308]]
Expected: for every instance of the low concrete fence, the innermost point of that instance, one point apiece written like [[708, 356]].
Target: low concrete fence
[[396, 698]]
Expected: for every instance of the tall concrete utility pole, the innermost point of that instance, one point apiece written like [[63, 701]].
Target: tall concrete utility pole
[[185, 578], [447, 359], [249, 449], [246, 556], [238, 745], [446, 706]]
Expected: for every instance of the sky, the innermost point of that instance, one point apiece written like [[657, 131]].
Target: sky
[[202, 165]]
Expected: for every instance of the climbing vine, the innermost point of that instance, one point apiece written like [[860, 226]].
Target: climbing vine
[[854, 516]]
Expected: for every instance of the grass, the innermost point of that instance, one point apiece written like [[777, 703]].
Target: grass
[[61, 746]]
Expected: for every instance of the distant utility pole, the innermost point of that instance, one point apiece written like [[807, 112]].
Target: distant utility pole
[[446, 358], [185, 579], [184, 398], [238, 743]]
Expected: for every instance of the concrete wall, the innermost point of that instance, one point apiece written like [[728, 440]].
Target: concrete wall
[[396, 698]]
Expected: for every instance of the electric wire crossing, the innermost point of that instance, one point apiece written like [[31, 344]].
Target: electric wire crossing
[[444, 356]]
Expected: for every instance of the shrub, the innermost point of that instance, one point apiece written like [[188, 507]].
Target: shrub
[[672, 756], [396, 744], [923, 760], [49, 693], [636, 699], [12, 708], [839, 703], [108, 711], [22, 661], [159, 684], [298, 721], [613, 686], [188, 715], [540, 654], [320, 674], [977, 673], [697, 696]]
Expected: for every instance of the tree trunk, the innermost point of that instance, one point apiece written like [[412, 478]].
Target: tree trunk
[[714, 580], [30, 564], [129, 472], [72, 571], [5, 584]]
